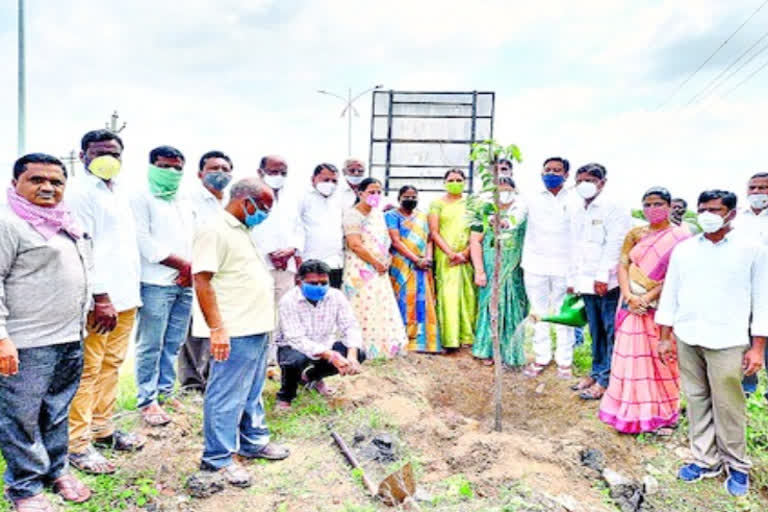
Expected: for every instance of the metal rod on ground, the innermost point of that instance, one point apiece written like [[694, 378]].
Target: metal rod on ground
[[355, 464], [495, 290]]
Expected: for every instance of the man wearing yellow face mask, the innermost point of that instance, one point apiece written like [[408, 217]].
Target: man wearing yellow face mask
[[105, 214], [165, 227]]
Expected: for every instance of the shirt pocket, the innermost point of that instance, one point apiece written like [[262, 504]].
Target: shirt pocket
[[596, 231]]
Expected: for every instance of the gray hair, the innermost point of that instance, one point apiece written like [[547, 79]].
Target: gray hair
[[246, 187], [350, 161]]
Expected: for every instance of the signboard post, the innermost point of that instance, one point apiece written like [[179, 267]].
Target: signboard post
[[417, 136]]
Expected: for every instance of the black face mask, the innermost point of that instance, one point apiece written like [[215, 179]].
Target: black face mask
[[409, 204]]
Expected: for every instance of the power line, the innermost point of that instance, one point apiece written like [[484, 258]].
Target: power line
[[682, 84], [735, 72], [765, 65], [706, 88]]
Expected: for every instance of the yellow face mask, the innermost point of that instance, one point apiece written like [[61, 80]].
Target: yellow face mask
[[105, 167]]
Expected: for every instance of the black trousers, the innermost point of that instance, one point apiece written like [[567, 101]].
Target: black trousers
[[293, 363], [335, 277], [195, 363]]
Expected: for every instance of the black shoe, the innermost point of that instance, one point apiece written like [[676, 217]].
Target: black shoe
[[121, 442]]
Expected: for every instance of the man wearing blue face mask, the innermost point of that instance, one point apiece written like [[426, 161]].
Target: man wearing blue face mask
[[546, 261], [237, 311], [310, 316], [215, 173]]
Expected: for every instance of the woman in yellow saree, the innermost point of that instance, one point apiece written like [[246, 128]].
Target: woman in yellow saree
[[454, 278]]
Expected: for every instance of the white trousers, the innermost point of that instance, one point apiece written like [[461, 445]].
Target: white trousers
[[546, 294], [285, 280]]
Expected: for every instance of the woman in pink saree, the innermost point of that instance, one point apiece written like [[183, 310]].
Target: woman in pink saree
[[643, 394]]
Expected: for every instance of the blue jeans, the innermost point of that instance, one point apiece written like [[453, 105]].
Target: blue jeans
[[601, 314], [163, 325], [34, 414], [233, 412]]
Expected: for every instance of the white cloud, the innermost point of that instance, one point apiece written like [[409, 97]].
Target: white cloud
[[574, 78]]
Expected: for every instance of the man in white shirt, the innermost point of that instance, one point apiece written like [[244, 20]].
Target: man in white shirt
[[754, 219], [546, 261], [96, 199], [165, 227], [215, 173], [598, 228], [320, 213], [311, 317], [354, 174], [713, 282], [281, 236]]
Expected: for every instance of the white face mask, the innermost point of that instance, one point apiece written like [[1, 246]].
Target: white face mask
[[355, 180], [506, 197], [586, 189], [758, 201], [326, 188], [710, 222], [275, 182]]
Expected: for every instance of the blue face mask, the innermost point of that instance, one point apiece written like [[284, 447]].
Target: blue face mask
[[314, 292], [552, 180], [217, 180], [255, 218]]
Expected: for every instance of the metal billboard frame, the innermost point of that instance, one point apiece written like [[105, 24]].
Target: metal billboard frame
[[390, 116]]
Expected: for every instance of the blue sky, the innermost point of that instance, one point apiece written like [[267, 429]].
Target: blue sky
[[578, 79]]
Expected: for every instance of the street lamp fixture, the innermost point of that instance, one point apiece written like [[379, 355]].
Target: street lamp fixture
[[349, 109]]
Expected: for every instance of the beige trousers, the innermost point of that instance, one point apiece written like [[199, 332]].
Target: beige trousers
[[91, 412], [717, 411]]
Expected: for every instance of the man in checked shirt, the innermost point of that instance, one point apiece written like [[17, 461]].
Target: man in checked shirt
[[310, 316]]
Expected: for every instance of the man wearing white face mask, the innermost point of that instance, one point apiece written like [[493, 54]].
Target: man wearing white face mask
[[280, 237], [713, 282], [754, 220], [598, 228], [354, 174], [320, 214]]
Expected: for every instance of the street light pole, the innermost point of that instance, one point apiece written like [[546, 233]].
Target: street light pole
[[22, 93], [349, 109]]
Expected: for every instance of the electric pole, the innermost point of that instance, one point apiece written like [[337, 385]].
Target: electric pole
[[111, 125], [70, 159], [21, 136], [349, 109]]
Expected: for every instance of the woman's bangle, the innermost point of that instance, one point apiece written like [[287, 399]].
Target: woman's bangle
[[219, 328]]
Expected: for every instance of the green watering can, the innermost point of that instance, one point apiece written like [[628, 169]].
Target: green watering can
[[572, 313]]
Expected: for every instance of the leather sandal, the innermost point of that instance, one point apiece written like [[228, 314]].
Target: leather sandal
[[72, 489], [36, 503], [154, 416], [585, 383], [534, 370], [594, 392], [121, 441], [91, 461]]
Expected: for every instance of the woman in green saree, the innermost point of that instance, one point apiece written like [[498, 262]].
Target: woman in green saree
[[513, 302]]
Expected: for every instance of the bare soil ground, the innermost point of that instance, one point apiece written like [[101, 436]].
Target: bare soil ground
[[438, 411]]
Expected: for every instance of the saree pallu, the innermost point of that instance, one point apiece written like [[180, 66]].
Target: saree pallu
[[513, 302], [414, 287], [455, 286], [369, 292], [643, 394]]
